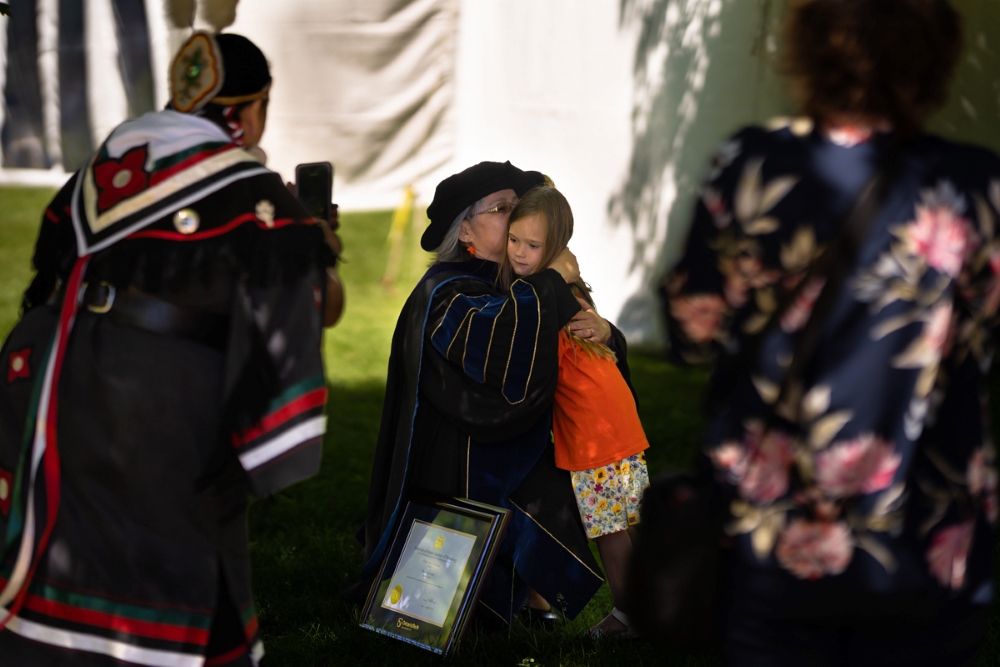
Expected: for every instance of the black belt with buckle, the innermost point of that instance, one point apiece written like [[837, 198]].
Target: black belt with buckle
[[134, 309]]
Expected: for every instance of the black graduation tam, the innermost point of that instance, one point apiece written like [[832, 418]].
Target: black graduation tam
[[465, 188]]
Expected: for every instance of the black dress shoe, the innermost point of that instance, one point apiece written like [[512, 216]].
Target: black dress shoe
[[543, 619]]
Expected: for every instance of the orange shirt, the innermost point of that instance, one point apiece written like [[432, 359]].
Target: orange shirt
[[594, 418]]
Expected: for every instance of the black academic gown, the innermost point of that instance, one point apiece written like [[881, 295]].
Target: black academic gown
[[467, 413]]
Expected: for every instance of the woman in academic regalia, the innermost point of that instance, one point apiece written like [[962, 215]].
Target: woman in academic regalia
[[470, 383]]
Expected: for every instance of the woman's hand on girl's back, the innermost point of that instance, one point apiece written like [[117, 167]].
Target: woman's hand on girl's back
[[588, 324], [565, 264]]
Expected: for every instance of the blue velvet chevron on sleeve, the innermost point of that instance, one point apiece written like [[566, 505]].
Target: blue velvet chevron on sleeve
[[521, 359], [474, 327]]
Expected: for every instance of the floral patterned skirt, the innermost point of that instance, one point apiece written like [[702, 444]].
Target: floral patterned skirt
[[608, 497]]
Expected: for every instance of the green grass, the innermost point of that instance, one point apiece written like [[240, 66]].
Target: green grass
[[358, 347], [20, 215], [303, 548]]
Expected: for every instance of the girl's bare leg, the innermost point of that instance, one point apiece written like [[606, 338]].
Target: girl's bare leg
[[615, 550]]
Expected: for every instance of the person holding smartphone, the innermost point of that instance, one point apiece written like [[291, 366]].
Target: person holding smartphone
[[174, 325], [314, 188]]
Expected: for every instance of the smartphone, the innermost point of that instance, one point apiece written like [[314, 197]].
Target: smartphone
[[314, 188]]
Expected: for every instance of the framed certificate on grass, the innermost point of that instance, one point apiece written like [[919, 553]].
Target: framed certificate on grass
[[430, 579]]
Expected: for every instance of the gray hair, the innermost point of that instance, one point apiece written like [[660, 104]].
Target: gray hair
[[451, 249]]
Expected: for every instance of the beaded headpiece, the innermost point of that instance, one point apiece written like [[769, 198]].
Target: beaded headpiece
[[197, 73], [224, 69]]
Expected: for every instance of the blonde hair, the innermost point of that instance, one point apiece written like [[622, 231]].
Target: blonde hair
[[551, 204]]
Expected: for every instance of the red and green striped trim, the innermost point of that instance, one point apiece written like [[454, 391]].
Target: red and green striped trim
[[167, 166], [15, 524], [185, 627], [296, 390], [50, 469], [294, 401], [250, 625]]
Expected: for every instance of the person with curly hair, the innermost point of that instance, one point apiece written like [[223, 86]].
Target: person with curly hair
[[863, 490]]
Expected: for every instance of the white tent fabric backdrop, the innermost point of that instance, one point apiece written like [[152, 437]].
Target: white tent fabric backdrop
[[620, 102]]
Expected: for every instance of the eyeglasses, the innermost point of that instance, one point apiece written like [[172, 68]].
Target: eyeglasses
[[503, 208]]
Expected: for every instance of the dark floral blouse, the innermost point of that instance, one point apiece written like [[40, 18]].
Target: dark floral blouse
[[880, 469]]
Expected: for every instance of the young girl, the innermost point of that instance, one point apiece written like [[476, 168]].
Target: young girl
[[596, 429]]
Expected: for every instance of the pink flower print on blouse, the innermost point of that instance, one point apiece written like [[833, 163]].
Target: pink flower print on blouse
[[814, 549], [730, 457], [864, 465], [767, 474], [940, 234], [743, 274], [700, 315], [948, 553], [938, 331], [798, 313], [716, 206]]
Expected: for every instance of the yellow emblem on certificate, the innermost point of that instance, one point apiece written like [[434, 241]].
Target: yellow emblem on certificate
[[439, 542], [396, 595]]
